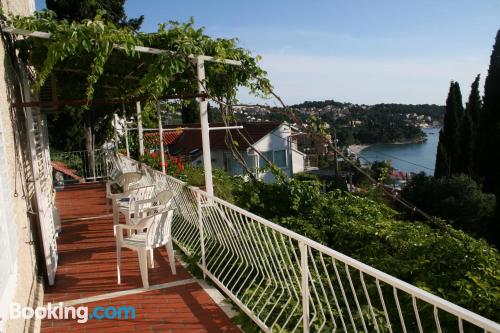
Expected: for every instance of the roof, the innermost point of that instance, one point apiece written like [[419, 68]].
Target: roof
[[168, 137], [189, 143]]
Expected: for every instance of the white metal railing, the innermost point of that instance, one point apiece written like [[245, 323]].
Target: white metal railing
[[289, 283], [87, 165]]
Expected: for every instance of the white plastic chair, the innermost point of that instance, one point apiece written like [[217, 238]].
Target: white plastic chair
[[157, 233], [123, 202], [141, 208], [126, 181]]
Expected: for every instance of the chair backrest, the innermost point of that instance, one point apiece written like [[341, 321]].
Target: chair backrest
[[163, 197], [142, 193], [159, 230], [159, 203], [128, 180]]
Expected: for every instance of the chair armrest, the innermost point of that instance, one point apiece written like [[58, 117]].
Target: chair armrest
[[119, 227], [116, 196]]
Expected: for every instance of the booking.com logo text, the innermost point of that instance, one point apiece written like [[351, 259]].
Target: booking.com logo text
[[81, 314]]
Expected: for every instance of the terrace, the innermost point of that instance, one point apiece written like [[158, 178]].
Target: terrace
[[87, 276], [283, 281]]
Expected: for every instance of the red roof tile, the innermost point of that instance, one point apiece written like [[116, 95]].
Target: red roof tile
[[168, 137]]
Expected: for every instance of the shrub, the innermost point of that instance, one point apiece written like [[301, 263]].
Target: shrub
[[457, 199]]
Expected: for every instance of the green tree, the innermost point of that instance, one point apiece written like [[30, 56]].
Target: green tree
[[442, 167], [190, 112], [67, 122], [77, 10], [457, 199], [474, 104], [489, 126], [449, 136], [467, 135]]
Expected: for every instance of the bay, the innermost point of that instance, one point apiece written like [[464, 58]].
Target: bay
[[408, 157]]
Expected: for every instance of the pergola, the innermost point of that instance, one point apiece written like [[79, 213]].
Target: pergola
[[199, 60]]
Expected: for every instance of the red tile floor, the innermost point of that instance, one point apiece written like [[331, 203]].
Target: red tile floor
[[87, 268]]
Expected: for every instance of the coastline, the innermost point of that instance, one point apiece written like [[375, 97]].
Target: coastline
[[356, 149]]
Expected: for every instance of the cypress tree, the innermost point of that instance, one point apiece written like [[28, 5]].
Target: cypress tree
[[449, 137], [489, 125], [467, 145], [473, 107], [442, 168], [468, 129]]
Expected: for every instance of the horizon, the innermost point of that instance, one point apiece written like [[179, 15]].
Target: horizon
[[384, 52]]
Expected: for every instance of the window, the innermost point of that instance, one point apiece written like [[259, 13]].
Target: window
[[280, 158], [233, 167], [268, 155]]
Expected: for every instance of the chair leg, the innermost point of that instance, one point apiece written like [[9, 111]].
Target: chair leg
[[143, 264], [152, 258], [118, 262], [171, 258]]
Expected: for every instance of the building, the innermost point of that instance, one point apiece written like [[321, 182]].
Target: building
[[20, 257], [275, 140]]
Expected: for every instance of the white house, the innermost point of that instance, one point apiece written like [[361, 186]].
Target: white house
[[274, 140]]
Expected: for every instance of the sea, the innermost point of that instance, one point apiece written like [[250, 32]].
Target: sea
[[408, 157]]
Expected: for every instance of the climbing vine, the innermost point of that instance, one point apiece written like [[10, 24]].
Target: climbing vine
[[90, 44]]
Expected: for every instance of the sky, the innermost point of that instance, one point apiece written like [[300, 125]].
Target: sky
[[359, 51]]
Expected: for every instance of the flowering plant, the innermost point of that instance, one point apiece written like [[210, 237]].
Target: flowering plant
[[173, 164]]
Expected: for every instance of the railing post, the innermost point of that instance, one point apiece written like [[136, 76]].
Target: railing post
[[200, 227], [304, 272]]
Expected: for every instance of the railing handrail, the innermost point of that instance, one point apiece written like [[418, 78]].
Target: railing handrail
[[76, 151], [436, 301]]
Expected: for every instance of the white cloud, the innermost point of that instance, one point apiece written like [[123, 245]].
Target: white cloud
[[299, 77]]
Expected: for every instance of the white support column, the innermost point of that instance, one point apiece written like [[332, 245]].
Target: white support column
[[139, 128], [125, 129], [116, 131], [205, 131], [160, 131]]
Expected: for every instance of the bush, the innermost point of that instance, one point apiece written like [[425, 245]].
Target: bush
[[457, 199]]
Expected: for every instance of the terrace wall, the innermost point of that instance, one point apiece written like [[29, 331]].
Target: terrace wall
[[19, 281]]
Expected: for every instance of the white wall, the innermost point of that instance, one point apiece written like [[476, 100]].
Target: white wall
[[18, 279]]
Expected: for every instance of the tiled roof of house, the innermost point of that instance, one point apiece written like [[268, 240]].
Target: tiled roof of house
[[63, 168], [189, 143], [169, 137]]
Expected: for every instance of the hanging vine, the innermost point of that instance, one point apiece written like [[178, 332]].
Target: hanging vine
[[170, 72]]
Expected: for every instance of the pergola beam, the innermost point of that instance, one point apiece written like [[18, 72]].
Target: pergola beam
[[137, 48], [103, 101]]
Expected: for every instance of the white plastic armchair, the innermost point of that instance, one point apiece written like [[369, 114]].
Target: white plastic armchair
[[142, 208], [124, 202], [157, 233], [126, 181]]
